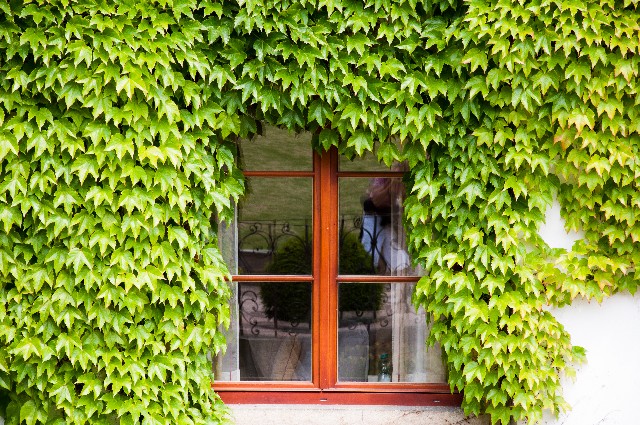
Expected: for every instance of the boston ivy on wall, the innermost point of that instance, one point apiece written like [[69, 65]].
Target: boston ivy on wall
[[117, 130], [112, 288]]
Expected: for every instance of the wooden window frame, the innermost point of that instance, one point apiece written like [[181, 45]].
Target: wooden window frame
[[324, 387]]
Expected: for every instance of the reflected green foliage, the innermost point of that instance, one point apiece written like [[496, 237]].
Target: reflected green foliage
[[292, 257], [291, 302], [287, 301]]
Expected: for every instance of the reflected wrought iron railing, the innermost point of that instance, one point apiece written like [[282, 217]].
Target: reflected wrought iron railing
[[259, 241], [279, 247]]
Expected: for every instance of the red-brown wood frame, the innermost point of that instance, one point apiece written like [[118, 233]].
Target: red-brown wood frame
[[324, 387]]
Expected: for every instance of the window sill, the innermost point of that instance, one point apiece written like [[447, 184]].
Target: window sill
[[337, 396]]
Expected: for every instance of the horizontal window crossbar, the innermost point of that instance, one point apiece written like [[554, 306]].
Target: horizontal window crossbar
[[271, 278]]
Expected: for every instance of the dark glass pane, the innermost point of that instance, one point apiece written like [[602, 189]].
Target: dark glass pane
[[377, 323], [270, 335], [372, 236], [275, 227], [277, 149]]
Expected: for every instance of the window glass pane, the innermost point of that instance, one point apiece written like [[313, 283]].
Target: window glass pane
[[368, 162], [270, 335], [226, 366], [372, 239], [277, 149], [228, 244], [381, 337], [274, 226]]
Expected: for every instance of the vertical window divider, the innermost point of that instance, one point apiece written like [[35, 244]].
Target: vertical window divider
[[317, 285], [327, 269]]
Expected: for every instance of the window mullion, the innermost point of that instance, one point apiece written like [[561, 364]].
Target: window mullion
[[327, 211]]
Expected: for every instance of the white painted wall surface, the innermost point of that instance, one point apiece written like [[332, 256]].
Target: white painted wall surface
[[262, 414], [605, 390], [350, 415], [553, 231]]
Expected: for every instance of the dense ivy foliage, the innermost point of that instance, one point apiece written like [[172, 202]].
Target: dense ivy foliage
[[117, 126], [547, 107], [111, 285]]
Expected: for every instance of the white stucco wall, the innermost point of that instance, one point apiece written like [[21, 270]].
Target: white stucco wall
[[605, 390], [350, 415]]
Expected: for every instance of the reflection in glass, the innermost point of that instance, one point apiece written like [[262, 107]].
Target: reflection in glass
[[382, 321], [371, 227], [270, 335], [227, 242], [368, 161], [277, 149], [274, 226]]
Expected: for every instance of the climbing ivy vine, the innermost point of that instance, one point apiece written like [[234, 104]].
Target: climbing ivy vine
[[111, 286], [547, 107], [118, 123]]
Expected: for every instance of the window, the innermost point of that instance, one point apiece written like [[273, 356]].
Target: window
[[322, 284]]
